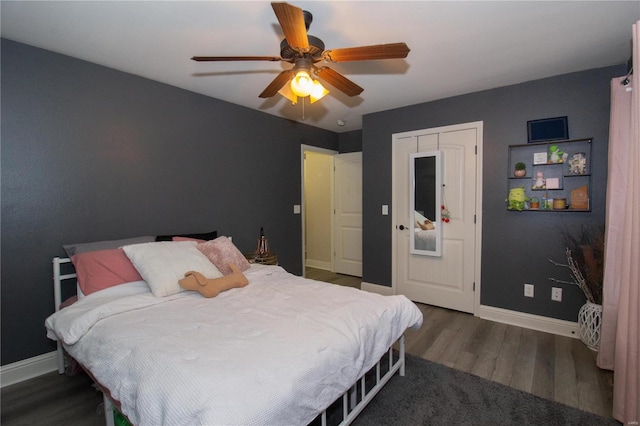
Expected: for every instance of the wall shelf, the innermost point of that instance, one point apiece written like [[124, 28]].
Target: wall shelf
[[565, 176]]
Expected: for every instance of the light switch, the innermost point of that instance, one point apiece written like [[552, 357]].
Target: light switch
[[385, 210], [296, 209]]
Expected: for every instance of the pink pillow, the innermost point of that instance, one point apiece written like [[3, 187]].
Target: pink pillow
[[197, 240], [102, 269], [221, 252]]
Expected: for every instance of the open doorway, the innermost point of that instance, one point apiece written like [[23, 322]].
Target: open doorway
[[331, 211], [317, 207]]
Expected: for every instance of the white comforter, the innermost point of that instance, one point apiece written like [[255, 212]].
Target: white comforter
[[276, 352]]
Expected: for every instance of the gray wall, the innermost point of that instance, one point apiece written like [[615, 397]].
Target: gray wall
[[350, 141], [90, 153], [515, 245]]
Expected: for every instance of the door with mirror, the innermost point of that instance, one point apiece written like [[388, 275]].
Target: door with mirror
[[435, 168]]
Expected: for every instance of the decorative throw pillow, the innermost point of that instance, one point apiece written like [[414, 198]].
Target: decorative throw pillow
[[163, 264], [221, 252], [97, 270]]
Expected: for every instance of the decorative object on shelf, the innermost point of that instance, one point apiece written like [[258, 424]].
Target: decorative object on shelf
[[547, 203], [516, 199], [262, 248], [539, 182], [534, 203], [578, 164], [556, 155], [540, 158], [553, 183], [580, 198], [520, 170], [585, 260], [559, 203]]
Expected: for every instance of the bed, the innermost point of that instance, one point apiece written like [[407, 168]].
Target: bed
[[280, 350]]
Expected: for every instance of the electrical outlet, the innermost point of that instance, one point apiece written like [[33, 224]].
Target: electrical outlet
[[528, 290], [556, 294]]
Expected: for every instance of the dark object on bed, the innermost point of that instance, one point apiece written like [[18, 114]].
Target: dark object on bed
[[548, 129], [207, 236]]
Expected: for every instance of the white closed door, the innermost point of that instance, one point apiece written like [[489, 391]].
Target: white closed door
[[347, 229], [448, 280]]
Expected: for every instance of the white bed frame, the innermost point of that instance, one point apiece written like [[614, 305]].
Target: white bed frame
[[353, 401]]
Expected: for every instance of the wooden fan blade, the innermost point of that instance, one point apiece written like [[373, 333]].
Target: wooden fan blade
[[235, 58], [365, 53], [339, 81], [291, 20], [276, 84]]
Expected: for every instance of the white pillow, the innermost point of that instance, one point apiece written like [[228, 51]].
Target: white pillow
[[162, 264]]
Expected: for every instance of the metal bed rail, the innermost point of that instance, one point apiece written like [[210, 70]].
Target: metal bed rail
[[358, 396]]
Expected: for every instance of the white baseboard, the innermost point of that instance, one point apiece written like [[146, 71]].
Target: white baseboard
[[377, 288], [533, 322], [28, 368], [506, 316], [318, 264]]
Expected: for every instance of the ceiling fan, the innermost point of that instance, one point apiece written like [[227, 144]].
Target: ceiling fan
[[304, 51]]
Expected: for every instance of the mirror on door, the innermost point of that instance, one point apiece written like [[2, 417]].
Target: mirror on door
[[426, 189]]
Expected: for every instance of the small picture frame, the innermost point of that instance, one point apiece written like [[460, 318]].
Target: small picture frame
[[553, 183], [540, 158], [548, 129]]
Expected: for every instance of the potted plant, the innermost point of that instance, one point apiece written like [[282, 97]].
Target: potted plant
[[585, 260], [521, 170], [534, 203]]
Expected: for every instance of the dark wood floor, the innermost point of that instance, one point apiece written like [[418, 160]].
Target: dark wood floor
[[553, 367]]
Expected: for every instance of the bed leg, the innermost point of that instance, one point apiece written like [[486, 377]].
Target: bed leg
[[57, 299], [108, 411], [401, 350], [60, 356]]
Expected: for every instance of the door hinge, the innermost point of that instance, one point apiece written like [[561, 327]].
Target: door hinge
[[474, 286], [474, 218], [476, 149]]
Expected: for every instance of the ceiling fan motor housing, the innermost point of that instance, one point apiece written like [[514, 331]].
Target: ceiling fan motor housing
[[316, 47]]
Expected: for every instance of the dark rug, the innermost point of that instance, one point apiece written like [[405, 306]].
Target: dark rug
[[432, 394]]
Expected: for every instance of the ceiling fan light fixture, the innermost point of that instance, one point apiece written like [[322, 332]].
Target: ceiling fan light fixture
[[302, 84], [288, 93], [318, 91]]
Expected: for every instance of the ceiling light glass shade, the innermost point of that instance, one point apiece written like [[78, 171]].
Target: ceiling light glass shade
[[287, 93], [318, 91], [302, 84]]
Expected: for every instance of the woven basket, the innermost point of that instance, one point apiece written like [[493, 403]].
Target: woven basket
[[589, 323]]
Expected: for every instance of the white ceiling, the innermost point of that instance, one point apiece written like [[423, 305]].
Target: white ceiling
[[456, 47]]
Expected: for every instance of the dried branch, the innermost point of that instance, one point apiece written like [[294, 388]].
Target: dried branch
[[576, 274]]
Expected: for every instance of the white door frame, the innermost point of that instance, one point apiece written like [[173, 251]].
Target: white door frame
[[478, 229], [303, 149]]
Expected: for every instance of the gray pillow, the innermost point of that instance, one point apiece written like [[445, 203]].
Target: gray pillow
[[72, 249]]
